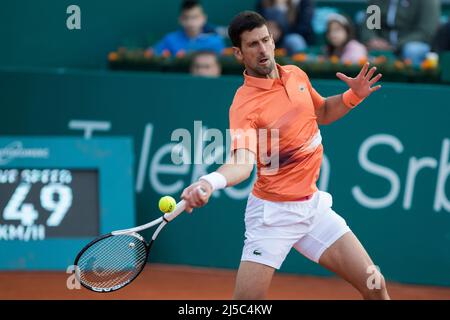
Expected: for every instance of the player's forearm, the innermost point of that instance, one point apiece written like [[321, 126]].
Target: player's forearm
[[333, 109], [235, 173], [237, 169]]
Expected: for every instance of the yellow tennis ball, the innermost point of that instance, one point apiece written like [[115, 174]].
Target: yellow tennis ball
[[167, 204]]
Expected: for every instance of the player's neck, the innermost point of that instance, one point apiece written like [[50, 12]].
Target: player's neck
[[274, 74]]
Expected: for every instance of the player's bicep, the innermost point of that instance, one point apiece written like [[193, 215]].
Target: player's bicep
[[244, 157], [243, 139], [238, 167]]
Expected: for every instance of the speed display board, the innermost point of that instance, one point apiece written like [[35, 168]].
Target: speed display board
[[56, 194], [37, 204]]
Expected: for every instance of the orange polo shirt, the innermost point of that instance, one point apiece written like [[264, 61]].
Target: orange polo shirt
[[275, 119]]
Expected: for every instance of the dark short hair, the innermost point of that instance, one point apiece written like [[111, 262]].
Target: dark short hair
[[244, 21], [189, 4]]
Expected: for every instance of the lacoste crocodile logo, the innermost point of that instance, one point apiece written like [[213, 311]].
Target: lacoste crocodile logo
[[256, 252]]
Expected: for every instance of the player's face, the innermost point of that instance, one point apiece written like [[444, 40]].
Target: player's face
[[257, 52]]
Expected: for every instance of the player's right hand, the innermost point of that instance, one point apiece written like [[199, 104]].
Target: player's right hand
[[197, 195]]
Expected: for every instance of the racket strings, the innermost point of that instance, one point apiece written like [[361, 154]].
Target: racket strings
[[104, 270], [113, 274], [112, 261], [99, 255]]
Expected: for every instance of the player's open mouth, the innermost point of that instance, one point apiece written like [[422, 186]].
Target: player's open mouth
[[264, 61]]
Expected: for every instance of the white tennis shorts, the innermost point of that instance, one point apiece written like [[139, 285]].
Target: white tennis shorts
[[273, 228]]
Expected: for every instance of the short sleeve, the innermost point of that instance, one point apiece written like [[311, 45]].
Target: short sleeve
[[317, 99], [243, 128]]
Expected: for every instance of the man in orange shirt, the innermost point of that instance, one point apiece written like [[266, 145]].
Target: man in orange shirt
[[274, 122]]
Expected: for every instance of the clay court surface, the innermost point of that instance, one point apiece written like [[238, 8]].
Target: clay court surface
[[190, 283]]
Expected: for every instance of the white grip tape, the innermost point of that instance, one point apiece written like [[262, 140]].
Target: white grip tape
[[178, 209]]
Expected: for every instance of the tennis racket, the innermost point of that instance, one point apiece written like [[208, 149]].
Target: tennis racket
[[114, 260]]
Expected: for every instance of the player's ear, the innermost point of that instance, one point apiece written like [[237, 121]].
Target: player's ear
[[273, 41], [238, 54]]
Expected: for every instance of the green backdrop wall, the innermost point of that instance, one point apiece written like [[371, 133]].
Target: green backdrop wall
[[34, 33], [400, 213]]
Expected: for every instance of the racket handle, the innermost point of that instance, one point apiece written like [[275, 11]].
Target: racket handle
[[180, 207]]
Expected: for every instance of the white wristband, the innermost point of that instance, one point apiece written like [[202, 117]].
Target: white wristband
[[216, 180]]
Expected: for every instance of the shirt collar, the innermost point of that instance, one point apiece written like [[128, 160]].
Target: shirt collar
[[265, 83]]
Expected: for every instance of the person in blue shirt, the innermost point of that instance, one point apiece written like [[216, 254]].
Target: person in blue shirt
[[195, 34]]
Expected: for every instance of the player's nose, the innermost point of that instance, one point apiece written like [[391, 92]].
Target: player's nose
[[262, 49]]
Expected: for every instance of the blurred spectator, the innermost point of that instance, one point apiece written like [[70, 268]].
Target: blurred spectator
[[205, 64], [407, 27], [341, 41], [289, 22], [442, 40], [194, 35]]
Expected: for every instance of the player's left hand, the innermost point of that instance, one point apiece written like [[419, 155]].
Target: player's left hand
[[363, 84]]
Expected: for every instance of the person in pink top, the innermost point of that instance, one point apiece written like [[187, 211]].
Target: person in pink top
[[341, 42]]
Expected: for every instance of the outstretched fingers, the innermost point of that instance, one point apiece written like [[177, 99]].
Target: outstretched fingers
[[370, 73], [375, 88], [375, 79], [363, 71], [343, 77]]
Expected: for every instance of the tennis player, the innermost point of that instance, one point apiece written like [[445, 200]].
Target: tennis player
[[285, 208]]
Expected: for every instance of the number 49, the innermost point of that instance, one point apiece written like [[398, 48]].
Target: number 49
[[16, 209]]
